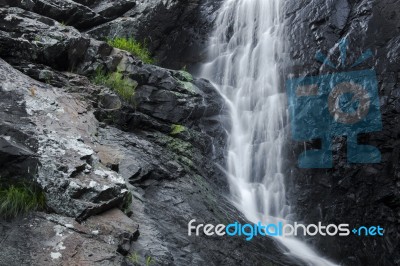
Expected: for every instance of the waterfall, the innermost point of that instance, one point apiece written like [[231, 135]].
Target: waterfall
[[244, 51]]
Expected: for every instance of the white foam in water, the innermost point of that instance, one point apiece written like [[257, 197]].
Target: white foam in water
[[245, 49]]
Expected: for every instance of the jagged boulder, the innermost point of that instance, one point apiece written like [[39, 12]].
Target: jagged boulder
[[72, 13], [175, 31], [62, 159], [24, 34]]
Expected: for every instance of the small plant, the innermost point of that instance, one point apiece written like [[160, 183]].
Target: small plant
[[127, 204], [132, 46], [176, 129], [134, 258], [149, 261], [123, 87], [100, 77], [19, 199]]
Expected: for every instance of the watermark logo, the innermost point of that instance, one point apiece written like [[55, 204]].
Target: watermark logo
[[280, 229], [332, 105]]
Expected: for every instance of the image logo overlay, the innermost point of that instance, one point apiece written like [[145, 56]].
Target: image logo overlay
[[334, 105], [280, 229]]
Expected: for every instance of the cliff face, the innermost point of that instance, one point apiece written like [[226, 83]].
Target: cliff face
[[358, 194], [94, 151], [175, 31], [123, 173]]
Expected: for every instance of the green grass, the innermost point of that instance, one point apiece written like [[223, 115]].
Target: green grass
[[149, 261], [132, 46], [19, 199], [135, 259], [176, 129], [123, 87], [127, 203]]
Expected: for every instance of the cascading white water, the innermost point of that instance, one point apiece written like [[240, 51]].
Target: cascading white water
[[244, 47], [245, 50]]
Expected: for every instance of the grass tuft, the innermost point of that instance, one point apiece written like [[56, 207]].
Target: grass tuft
[[132, 46], [19, 199], [123, 87], [176, 129], [149, 261], [135, 259]]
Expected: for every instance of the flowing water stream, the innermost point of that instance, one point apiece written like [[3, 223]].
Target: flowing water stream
[[245, 50]]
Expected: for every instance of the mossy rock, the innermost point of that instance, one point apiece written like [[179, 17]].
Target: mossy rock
[[184, 76], [187, 86]]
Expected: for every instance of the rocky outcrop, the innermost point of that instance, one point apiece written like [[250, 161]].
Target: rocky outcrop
[[66, 166], [17, 155], [153, 153], [79, 14], [174, 31], [358, 194]]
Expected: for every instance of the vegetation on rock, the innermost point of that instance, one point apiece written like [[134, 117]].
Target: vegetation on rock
[[135, 259], [132, 46], [20, 198], [122, 86], [176, 129]]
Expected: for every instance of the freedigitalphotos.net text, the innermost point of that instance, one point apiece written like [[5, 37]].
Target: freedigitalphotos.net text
[[280, 230]]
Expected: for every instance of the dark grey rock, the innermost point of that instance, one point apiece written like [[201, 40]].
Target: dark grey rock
[[72, 13], [18, 145], [51, 239], [44, 40], [62, 160], [68, 12], [176, 32], [93, 151], [357, 194]]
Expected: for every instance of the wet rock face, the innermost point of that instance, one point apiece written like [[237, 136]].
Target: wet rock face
[[57, 153], [46, 40], [176, 32], [80, 14], [94, 151], [18, 145], [357, 194], [51, 239]]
